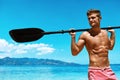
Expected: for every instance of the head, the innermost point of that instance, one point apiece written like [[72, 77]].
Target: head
[[94, 17]]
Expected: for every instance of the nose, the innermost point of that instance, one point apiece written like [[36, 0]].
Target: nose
[[90, 19]]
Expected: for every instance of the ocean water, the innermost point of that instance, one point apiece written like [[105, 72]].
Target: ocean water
[[48, 72]]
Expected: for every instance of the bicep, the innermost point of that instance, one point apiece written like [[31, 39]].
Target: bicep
[[81, 43]]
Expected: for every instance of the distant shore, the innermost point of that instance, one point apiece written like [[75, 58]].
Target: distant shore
[[34, 61], [7, 61]]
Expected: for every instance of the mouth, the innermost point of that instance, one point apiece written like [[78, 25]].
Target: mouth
[[92, 23]]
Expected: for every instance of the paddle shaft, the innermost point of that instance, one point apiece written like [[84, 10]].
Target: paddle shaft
[[32, 34], [78, 30]]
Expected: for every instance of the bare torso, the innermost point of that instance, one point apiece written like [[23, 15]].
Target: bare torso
[[97, 47]]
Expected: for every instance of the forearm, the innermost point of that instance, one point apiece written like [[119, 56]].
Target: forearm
[[112, 40], [74, 47]]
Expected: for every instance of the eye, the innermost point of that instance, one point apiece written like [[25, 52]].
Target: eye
[[92, 17]]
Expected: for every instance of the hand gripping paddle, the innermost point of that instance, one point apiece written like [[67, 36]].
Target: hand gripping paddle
[[32, 34]]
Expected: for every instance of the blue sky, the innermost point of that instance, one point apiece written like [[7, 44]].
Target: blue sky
[[53, 15]]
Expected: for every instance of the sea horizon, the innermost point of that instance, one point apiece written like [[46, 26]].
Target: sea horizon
[[48, 72]]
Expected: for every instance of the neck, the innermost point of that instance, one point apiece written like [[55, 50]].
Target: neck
[[94, 31]]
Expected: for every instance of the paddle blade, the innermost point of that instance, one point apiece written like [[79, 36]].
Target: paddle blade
[[26, 34]]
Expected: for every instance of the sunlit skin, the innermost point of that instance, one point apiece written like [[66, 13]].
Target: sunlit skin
[[96, 42]]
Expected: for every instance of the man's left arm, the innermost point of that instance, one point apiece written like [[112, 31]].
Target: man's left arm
[[112, 38]]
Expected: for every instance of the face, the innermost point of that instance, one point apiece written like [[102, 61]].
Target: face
[[94, 20]]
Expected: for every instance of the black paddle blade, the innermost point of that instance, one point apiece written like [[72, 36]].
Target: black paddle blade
[[26, 34]]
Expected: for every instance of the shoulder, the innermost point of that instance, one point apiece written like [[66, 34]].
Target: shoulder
[[84, 34], [104, 31]]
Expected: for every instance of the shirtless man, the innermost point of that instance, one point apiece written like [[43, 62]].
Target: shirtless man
[[97, 44]]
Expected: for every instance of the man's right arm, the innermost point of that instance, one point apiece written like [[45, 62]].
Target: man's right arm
[[76, 47]]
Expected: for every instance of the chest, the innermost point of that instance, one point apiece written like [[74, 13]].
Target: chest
[[100, 39]]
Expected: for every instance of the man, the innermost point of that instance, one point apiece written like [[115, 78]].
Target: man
[[97, 44]]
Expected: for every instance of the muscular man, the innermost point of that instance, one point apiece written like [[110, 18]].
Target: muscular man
[[97, 44]]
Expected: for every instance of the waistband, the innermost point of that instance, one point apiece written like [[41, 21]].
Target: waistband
[[99, 68]]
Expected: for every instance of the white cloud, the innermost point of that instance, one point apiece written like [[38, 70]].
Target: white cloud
[[9, 49]]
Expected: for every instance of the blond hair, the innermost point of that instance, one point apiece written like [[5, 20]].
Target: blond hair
[[91, 11]]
